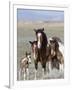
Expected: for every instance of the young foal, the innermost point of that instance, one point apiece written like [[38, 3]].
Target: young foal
[[24, 64], [35, 54]]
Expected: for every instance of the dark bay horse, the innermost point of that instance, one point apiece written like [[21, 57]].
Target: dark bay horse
[[42, 47]]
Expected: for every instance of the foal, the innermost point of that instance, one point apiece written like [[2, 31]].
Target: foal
[[35, 54], [24, 64]]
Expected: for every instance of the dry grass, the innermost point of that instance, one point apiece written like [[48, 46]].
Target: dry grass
[[25, 33]]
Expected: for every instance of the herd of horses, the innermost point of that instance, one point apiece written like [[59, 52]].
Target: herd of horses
[[44, 50]]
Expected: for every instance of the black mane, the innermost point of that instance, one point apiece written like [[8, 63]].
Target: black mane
[[44, 43]]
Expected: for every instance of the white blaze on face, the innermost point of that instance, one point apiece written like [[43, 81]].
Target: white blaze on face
[[39, 42]]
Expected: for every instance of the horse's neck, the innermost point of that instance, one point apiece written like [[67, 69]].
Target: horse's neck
[[44, 39], [44, 46]]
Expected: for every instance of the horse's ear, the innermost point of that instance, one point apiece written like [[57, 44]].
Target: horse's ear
[[30, 42], [42, 29]]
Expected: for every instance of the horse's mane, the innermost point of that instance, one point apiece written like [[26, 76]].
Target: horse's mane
[[57, 39], [44, 43]]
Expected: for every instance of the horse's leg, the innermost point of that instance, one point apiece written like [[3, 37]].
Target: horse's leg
[[27, 70], [42, 72], [52, 64], [19, 74], [35, 74], [61, 66], [43, 69], [62, 63], [36, 67], [24, 71], [49, 65], [57, 64]]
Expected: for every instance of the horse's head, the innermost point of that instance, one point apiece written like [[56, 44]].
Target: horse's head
[[54, 47], [28, 56], [39, 36], [34, 48]]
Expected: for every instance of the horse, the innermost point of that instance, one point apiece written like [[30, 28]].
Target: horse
[[61, 46], [42, 47], [24, 65], [57, 54], [35, 55]]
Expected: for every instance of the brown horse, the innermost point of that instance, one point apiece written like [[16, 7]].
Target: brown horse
[[37, 58], [42, 47], [56, 55]]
